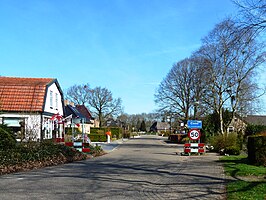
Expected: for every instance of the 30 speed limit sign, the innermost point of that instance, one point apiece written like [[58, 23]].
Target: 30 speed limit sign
[[194, 134]]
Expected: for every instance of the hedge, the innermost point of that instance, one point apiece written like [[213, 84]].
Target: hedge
[[116, 132], [37, 152], [68, 130], [98, 137], [257, 150], [253, 129]]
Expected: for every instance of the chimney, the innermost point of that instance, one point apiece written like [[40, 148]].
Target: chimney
[[66, 102]]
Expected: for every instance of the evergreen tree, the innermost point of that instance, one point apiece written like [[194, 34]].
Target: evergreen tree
[[143, 126]]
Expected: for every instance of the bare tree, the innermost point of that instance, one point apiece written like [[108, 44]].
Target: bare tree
[[78, 94], [103, 104], [252, 14], [181, 88], [133, 120], [234, 57]]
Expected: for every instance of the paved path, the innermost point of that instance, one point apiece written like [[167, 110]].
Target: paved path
[[142, 168]]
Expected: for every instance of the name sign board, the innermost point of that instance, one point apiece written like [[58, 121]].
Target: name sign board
[[194, 124]]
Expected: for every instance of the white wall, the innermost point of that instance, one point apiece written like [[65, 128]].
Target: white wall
[[53, 108]]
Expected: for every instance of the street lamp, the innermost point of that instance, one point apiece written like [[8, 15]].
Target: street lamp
[[196, 104], [133, 129], [168, 118]]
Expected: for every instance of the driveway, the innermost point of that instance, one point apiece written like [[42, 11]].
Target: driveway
[[140, 168]]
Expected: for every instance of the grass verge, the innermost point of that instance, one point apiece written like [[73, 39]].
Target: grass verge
[[248, 181]]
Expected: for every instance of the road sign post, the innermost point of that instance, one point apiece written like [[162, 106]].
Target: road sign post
[[194, 134]]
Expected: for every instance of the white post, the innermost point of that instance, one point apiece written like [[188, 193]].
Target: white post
[[108, 139]]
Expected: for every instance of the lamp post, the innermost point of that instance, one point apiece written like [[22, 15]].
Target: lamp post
[[168, 118], [196, 104]]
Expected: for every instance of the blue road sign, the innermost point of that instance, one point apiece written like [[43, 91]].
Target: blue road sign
[[194, 124]]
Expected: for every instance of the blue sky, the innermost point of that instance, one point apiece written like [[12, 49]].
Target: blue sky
[[128, 46]]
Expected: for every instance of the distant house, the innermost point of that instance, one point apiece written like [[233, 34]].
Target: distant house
[[85, 112], [32, 107], [159, 127], [255, 119], [77, 119], [113, 123], [238, 123]]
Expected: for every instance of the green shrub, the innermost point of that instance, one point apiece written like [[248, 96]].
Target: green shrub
[[257, 150], [96, 150], [185, 140], [252, 129], [232, 150], [218, 142], [226, 143], [68, 130], [37, 152], [116, 132], [98, 137], [98, 131], [7, 140]]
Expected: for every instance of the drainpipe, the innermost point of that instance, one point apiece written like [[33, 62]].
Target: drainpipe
[[41, 134]]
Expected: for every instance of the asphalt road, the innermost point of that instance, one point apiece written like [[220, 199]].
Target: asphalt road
[[140, 168]]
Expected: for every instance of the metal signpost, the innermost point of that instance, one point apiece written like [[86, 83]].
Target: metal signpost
[[194, 134]]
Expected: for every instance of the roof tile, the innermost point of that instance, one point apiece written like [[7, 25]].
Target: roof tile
[[23, 94]]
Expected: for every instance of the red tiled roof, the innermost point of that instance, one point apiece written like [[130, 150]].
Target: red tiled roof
[[23, 94]]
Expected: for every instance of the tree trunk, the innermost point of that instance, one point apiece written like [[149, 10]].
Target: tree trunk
[[221, 121]]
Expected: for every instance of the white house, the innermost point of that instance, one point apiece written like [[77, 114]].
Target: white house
[[32, 107]]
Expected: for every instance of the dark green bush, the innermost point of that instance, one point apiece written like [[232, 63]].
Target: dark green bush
[[126, 135], [257, 150], [252, 129], [46, 150], [232, 150], [7, 140]]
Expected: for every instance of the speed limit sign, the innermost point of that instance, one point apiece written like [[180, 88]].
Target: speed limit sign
[[194, 134]]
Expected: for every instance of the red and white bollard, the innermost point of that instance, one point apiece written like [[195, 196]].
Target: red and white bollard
[[194, 148]]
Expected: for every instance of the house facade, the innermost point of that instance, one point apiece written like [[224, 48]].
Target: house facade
[[160, 127], [239, 124], [32, 107], [78, 122]]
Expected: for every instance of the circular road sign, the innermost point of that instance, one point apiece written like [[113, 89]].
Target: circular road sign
[[194, 134]]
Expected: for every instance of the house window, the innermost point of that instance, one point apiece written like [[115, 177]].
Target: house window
[[230, 129], [48, 128], [56, 101], [51, 99], [17, 126]]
